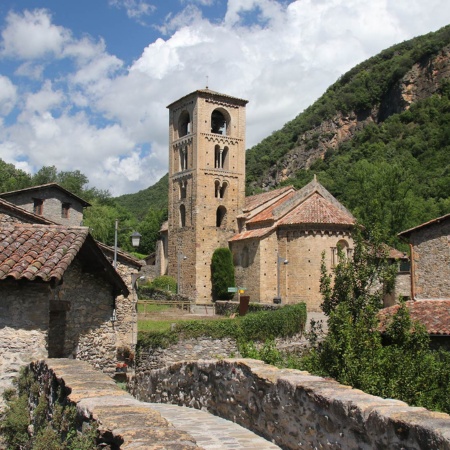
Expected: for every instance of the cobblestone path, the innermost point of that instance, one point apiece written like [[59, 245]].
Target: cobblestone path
[[212, 432]]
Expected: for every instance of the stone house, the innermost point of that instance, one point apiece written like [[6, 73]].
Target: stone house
[[58, 294], [50, 201], [430, 259]]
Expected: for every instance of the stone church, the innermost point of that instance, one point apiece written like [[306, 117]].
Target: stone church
[[277, 238]]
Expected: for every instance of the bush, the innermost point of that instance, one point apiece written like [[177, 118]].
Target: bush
[[259, 326], [222, 274], [164, 283]]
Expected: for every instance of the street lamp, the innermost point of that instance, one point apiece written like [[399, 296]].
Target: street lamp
[[181, 257], [135, 239], [280, 260]]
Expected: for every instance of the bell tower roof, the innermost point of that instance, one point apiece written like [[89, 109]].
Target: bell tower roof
[[205, 93]]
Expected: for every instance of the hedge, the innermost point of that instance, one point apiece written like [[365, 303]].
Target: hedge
[[259, 326]]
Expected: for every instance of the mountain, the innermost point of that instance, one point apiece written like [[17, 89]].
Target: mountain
[[154, 197], [378, 139]]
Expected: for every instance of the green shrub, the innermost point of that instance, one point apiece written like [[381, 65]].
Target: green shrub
[[258, 326], [164, 283], [222, 274]]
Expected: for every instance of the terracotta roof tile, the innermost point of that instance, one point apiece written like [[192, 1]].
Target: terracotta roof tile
[[254, 201], [433, 314], [316, 209], [268, 213], [38, 251], [426, 224], [249, 234]]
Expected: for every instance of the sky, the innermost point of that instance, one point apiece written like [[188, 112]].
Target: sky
[[84, 84]]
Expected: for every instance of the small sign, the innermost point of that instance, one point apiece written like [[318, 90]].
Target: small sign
[[232, 289]]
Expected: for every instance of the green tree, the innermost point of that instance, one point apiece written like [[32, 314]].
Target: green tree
[[222, 274]]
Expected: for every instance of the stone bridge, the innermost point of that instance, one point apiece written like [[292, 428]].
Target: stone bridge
[[292, 409]]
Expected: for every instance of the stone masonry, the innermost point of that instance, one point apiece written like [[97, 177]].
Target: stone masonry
[[295, 409], [206, 184], [431, 261]]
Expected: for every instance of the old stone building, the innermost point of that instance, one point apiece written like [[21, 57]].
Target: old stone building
[[50, 201], [277, 238], [58, 294], [206, 184], [430, 259]]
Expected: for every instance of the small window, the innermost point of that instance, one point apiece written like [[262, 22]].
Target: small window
[[38, 206], [245, 257], [217, 189], [182, 216], [220, 216], [218, 122], [65, 208], [183, 189], [184, 124], [183, 158], [223, 190]]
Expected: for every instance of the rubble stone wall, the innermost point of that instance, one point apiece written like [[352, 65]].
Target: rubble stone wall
[[294, 408]]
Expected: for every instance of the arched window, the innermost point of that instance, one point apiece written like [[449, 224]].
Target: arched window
[[184, 124], [217, 189], [341, 246], [183, 158], [217, 157], [225, 158], [219, 122], [223, 189], [220, 216], [183, 188], [182, 216]]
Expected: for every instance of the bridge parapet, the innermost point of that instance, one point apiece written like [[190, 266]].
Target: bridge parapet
[[123, 422], [294, 409]]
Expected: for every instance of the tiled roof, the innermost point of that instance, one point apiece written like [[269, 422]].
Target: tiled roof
[[433, 314], [423, 225], [38, 251], [20, 213], [249, 234], [44, 187], [208, 92], [254, 201], [122, 256], [316, 209], [268, 213]]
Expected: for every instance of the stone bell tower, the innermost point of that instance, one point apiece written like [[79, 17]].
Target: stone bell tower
[[206, 184]]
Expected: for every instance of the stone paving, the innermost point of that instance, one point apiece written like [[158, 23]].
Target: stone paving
[[211, 432]]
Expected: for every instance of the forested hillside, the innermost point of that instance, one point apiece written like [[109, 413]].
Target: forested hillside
[[378, 139]]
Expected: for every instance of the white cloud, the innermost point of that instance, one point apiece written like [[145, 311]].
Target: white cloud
[[136, 9], [97, 116], [31, 35], [8, 95]]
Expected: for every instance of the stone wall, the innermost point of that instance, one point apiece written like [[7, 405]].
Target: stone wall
[[226, 308], [126, 309], [299, 279], [70, 320], [24, 322], [431, 261], [189, 349], [53, 199], [294, 408], [122, 421]]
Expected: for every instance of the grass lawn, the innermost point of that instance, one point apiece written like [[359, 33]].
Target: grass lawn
[[159, 318]]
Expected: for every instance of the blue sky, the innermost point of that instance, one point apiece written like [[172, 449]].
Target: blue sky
[[84, 84]]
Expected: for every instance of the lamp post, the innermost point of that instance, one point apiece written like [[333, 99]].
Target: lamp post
[[135, 240], [181, 257], [280, 260]]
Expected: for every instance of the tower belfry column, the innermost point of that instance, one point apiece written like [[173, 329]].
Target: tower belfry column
[[206, 156]]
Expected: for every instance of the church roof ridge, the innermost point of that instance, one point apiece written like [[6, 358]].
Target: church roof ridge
[[304, 193]]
